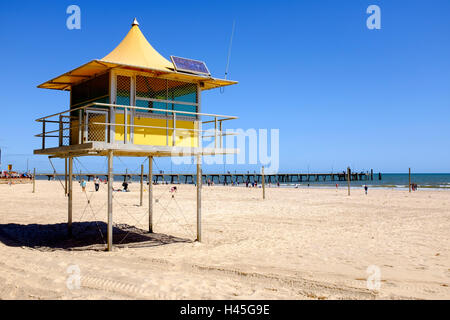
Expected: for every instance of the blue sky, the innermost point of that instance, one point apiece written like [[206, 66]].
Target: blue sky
[[339, 93]]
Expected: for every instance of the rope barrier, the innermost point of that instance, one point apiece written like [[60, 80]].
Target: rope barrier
[[54, 171], [88, 203], [116, 198]]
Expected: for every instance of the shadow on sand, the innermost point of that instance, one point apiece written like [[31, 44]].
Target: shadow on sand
[[86, 236]]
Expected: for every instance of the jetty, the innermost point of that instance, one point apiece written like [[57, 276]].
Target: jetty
[[229, 178]]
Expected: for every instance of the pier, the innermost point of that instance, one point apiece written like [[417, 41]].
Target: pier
[[229, 178]]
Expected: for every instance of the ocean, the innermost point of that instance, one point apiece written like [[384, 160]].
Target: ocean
[[390, 180]]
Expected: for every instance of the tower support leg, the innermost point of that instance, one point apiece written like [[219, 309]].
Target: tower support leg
[[150, 194], [141, 191], [199, 198], [110, 198], [65, 176], [70, 194]]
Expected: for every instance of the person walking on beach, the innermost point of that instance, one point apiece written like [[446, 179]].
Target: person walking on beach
[[97, 183], [83, 185], [366, 188]]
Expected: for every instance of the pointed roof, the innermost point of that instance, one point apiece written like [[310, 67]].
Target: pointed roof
[[136, 53], [135, 50]]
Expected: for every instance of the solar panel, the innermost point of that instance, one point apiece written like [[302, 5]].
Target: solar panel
[[189, 65]]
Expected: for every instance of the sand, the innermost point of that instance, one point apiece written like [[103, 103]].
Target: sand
[[297, 244]]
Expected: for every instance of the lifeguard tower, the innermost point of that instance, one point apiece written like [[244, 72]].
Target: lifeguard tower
[[136, 103]]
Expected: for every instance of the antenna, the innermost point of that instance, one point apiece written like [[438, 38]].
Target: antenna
[[229, 53]]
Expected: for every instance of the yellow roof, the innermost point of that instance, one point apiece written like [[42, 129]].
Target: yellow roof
[[136, 53], [135, 50]]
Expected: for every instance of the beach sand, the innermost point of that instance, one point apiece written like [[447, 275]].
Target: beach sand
[[296, 244]]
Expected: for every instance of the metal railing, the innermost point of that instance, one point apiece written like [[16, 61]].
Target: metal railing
[[95, 122]]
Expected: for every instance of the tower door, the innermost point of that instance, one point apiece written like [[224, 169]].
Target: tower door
[[96, 127], [124, 118]]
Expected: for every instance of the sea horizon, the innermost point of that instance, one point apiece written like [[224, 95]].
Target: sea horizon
[[388, 180]]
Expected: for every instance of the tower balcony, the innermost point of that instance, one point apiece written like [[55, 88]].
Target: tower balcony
[[96, 128]]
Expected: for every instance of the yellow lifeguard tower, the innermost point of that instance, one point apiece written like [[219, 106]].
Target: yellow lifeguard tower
[[133, 102]]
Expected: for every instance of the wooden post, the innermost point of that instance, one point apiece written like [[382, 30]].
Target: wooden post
[[174, 133], [43, 134], [70, 193], [60, 136], [348, 179], [150, 194], [199, 198], [263, 183], [34, 180], [80, 126], [142, 185], [409, 179], [65, 176], [215, 132], [110, 198], [125, 127]]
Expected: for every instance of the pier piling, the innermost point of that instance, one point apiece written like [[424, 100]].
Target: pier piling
[[263, 183], [34, 180], [141, 195], [349, 177], [409, 178]]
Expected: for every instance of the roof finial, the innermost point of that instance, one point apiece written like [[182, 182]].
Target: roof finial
[[135, 22]]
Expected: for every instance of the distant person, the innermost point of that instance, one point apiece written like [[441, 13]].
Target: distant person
[[83, 185], [173, 190], [96, 183], [366, 188], [125, 186], [337, 186]]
